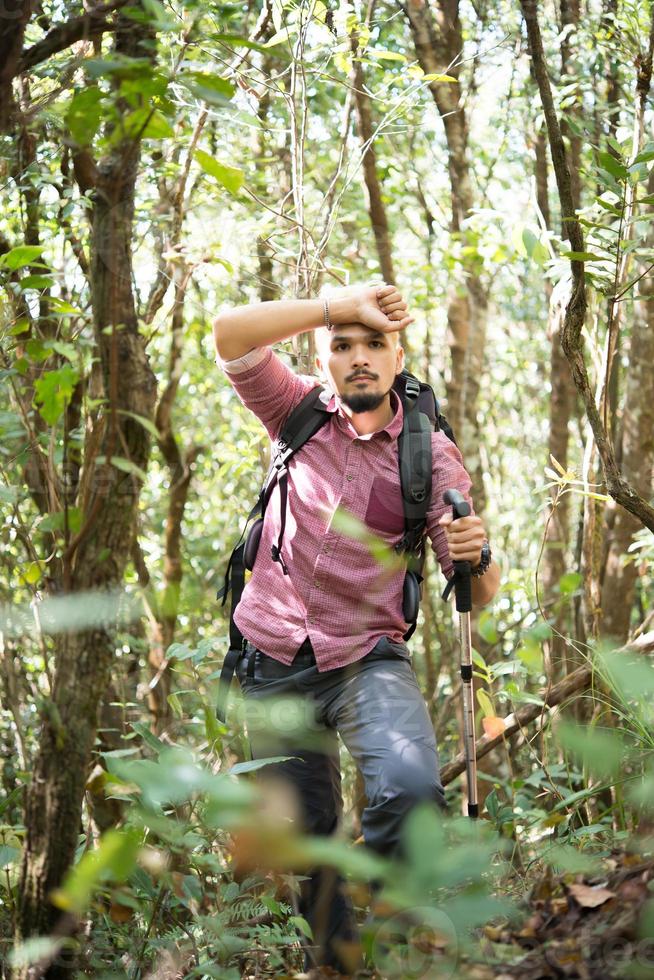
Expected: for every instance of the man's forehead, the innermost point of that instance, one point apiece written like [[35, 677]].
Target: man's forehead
[[352, 331]]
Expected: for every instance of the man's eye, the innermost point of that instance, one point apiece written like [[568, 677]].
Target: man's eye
[[341, 347], [376, 343]]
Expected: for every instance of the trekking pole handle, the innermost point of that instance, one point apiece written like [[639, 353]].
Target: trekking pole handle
[[460, 506], [462, 569]]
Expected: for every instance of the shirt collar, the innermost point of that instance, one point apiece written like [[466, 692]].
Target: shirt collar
[[392, 430]]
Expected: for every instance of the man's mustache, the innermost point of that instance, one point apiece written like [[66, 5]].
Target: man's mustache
[[362, 374]]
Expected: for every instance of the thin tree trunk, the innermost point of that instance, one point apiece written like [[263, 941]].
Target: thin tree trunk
[[637, 461], [562, 396], [376, 208], [438, 43]]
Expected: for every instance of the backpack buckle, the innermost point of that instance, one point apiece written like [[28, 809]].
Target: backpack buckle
[[412, 388]]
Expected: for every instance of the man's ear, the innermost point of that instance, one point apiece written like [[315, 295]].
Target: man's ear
[[319, 366], [399, 363]]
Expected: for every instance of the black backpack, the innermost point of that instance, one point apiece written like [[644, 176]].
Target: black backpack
[[421, 417]]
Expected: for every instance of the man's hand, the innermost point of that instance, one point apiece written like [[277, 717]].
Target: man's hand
[[378, 307], [465, 536]]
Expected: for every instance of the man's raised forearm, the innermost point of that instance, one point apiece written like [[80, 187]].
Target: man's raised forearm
[[239, 330]]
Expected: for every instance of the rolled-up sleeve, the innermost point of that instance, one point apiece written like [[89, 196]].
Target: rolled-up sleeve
[[448, 473], [266, 386]]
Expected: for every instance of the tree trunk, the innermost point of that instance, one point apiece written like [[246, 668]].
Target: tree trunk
[[14, 15], [96, 557], [376, 209], [562, 400], [637, 462], [438, 43]]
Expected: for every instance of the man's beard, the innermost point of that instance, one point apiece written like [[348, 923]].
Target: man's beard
[[364, 401]]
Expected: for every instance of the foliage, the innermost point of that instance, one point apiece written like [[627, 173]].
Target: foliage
[[269, 204]]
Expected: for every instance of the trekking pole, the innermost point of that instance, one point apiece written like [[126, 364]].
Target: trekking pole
[[461, 581]]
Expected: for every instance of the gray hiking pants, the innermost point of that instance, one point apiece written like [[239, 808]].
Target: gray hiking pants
[[376, 706]]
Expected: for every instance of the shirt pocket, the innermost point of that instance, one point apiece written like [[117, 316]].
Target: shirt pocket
[[385, 512]]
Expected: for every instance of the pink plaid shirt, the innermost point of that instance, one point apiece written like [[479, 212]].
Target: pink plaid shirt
[[336, 593]]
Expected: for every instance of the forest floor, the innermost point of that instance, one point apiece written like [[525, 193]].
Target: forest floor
[[586, 927]]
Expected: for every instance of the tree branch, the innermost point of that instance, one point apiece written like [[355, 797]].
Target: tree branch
[[81, 28], [574, 682]]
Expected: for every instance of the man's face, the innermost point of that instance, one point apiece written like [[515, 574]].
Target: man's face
[[360, 364]]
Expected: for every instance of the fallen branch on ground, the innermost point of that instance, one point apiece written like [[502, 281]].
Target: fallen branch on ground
[[574, 682]]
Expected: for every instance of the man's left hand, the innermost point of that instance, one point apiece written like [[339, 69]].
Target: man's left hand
[[465, 536]]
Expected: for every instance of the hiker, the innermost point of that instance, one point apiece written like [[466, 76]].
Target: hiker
[[320, 616]]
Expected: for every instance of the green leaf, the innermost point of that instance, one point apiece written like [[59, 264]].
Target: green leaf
[[127, 466], [485, 704], [212, 88], [382, 54], [631, 676], [283, 36], [147, 424], [236, 41], [155, 15], [600, 750], [113, 859], [37, 350], [148, 737], [613, 166], [13, 797], [224, 262], [213, 729], [66, 350], [530, 654], [60, 307], [8, 855], [583, 257], [22, 255], [179, 651], [645, 155], [36, 282], [148, 125], [84, 114], [54, 391], [565, 858], [488, 627], [438, 77], [33, 573], [230, 177], [301, 923], [253, 765], [569, 583], [56, 521]]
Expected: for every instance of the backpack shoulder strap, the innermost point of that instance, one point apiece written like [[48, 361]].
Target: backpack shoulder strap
[[414, 451], [301, 425]]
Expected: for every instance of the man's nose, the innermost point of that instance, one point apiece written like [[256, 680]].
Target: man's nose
[[360, 356]]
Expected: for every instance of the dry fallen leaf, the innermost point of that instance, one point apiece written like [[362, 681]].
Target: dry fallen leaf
[[589, 897], [493, 726], [120, 913], [559, 905]]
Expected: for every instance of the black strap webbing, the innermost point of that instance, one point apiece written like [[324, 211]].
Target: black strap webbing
[[276, 550], [232, 658]]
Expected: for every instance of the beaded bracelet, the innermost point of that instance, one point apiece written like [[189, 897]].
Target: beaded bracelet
[[328, 324]]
